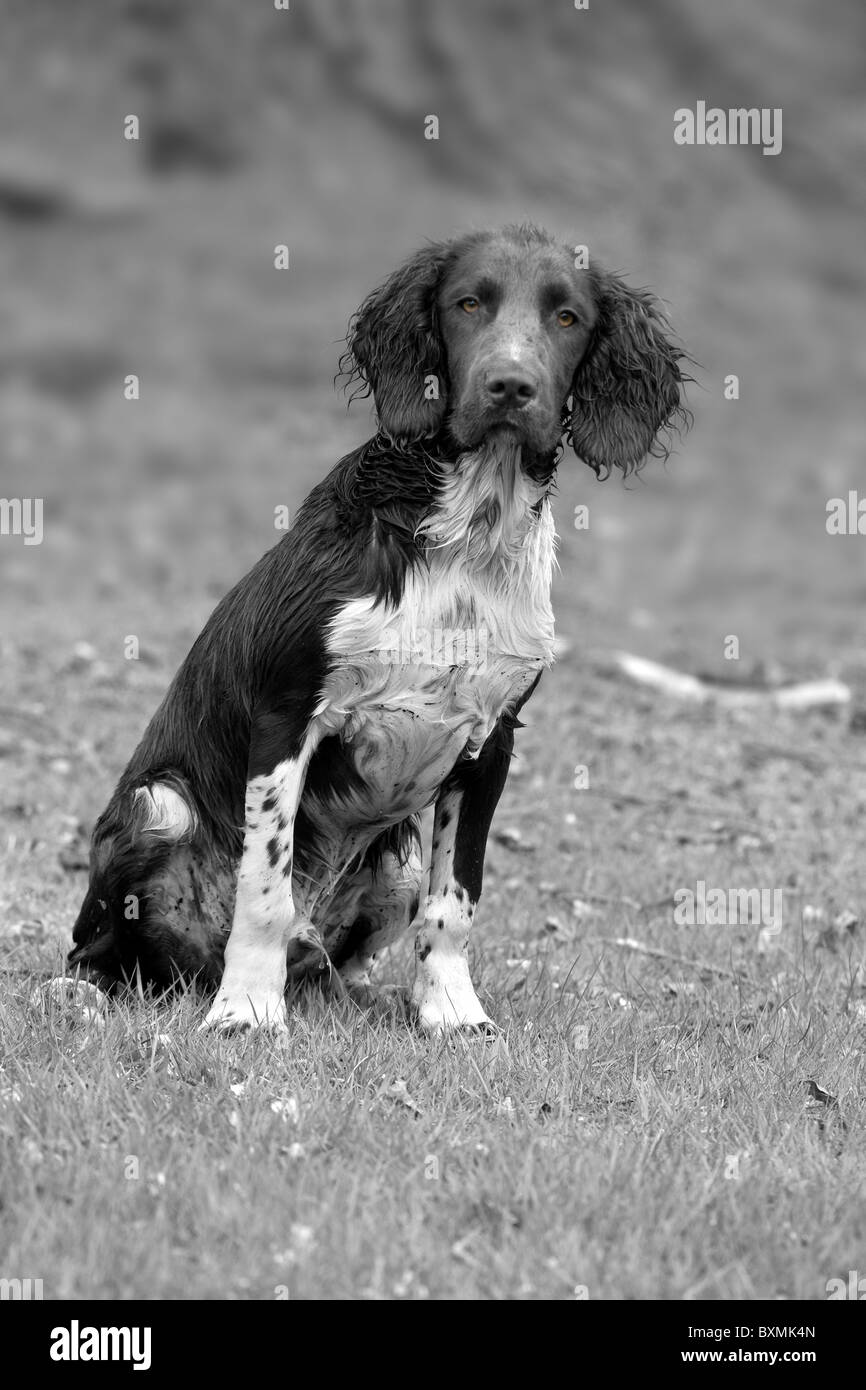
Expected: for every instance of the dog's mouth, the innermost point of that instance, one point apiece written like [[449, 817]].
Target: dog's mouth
[[534, 438], [514, 422], [472, 426]]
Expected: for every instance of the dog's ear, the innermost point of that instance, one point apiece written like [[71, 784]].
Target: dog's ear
[[394, 349], [627, 391]]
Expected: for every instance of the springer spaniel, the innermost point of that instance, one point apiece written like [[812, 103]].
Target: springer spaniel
[[374, 662]]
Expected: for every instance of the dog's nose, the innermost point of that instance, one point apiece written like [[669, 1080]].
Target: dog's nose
[[510, 388]]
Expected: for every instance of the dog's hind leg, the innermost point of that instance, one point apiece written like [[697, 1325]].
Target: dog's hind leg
[[158, 906]]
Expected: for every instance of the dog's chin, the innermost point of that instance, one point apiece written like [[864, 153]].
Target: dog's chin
[[515, 429]]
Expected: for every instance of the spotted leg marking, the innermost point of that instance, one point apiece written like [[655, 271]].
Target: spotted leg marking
[[253, 984], [443, 994]]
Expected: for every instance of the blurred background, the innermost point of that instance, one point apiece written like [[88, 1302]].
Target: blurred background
[[261, 127], [306, 127]]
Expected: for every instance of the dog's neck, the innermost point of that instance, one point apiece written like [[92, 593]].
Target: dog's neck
[[486, 505]]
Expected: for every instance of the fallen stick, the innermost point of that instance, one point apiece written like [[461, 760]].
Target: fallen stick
[[683, 686]]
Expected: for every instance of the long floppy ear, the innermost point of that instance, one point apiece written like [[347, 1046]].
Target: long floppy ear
[[627, 391], [393, 348]]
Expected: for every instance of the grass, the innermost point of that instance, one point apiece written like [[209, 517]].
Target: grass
[[643, 1127], [417, 1170]]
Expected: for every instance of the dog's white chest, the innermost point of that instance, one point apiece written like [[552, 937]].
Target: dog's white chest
[[417, 684]]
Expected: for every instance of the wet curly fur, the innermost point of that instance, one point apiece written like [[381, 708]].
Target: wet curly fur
[[171, 838], [625, 400]]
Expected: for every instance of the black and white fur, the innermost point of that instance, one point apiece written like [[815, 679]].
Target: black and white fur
[[267, 825]]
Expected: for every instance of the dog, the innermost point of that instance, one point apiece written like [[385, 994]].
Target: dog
[[375, 661]]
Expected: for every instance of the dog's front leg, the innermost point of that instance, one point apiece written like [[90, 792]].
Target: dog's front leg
[[443, 994], [253, 983]]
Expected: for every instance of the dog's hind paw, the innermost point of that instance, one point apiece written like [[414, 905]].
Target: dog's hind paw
[[74, 996]]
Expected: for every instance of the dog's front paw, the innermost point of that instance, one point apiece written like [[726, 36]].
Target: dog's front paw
[[443, 995], [436, 1025], [438, 1013], [232, 1011]]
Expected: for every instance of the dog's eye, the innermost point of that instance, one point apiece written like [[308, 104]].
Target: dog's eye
[[469, 305], [566, 319]]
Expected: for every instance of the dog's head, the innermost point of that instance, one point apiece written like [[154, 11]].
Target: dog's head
[[501, 332]]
